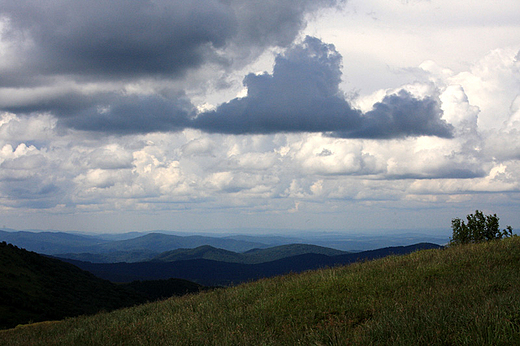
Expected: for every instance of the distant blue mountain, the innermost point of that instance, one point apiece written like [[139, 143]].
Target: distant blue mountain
[[249, 257], [136, 247], [148, 245], [213, 273], [49, 243]]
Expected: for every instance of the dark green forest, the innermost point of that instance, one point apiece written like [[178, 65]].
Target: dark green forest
[[37, 288]]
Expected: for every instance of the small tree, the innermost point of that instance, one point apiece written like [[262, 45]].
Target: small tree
[[479, 227]]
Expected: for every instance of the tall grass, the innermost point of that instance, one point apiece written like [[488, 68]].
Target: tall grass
[[463, 295]]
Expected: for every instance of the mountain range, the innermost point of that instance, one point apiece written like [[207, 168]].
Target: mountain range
[[137, 247], [228, 270], [248, 257]]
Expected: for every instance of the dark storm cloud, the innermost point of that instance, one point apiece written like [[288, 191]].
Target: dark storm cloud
[[302, 95], [61, 104], [273, 23], [131, 38], [113, 112], [133, 114], [52, 42], [401, 115], [116, 37]]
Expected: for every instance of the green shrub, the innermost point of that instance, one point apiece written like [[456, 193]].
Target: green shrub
[[478, 228]]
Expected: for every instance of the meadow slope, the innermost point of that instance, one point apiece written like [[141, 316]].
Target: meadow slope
[[463, 295]]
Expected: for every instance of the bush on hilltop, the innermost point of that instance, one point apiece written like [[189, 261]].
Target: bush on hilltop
[[479, 227]]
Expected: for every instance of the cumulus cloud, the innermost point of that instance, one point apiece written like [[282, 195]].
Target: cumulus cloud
[[303, 95], [152, 169], [401, 115], [111, 157], [26, 178]]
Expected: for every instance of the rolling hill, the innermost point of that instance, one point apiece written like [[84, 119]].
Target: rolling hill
[[249, 257], [220, 273], [160, 242], [201, 252], [461, 295], [37, 288], [129, 256], [283, 251]]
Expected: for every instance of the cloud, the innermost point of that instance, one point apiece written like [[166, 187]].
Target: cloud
[[497, 74], [119, 38], [120, 66], [198, 146], [401, 115], [26, 178], [132, 114], [124, 115], [303, 95], [60, 101], [271, 23], [80, 62], [110, 157], [129, 39]]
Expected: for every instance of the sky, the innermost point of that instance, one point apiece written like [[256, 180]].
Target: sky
[[316, 115]]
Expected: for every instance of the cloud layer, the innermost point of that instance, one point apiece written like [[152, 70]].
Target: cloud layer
[[225, 114], [136, 38], [43, 167], [70, 50], [73, 59]]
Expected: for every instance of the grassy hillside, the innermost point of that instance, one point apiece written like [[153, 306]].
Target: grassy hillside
[[466, 295]]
